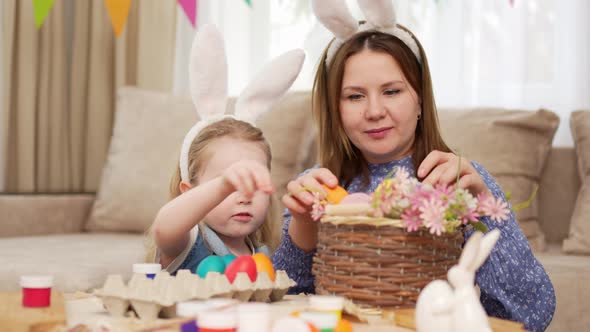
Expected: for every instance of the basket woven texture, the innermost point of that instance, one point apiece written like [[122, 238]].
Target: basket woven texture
[[377, 264]]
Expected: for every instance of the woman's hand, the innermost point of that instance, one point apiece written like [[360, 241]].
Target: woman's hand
[[299, 199], [247, 177], [442, 168]]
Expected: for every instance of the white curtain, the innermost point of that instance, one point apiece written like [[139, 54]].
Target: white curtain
[[529, 55], [246, 34], [525, 55]]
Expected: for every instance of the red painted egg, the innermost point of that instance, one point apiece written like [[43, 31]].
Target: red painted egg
[[241, 264]]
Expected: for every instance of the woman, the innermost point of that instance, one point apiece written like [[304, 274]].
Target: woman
[[374, 107]]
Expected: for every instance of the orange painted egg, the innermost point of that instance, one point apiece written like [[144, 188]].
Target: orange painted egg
[[241, 264], [264, 264], [335, 195]]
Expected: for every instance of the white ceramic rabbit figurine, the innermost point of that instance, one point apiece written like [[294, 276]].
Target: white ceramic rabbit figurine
[[456, 307]]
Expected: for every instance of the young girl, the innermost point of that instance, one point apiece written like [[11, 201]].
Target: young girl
[[374, 108], [221, 190]]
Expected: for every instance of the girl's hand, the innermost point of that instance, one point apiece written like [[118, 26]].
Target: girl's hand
[[247, 177], [299, 199], [442, 168]]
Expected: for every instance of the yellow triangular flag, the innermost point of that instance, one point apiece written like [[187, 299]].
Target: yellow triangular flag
[[118, 11], [41, 9]]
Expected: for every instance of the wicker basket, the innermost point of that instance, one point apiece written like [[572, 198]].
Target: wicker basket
[[377, 264]]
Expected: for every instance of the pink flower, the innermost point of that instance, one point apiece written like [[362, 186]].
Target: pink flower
[[411, 218], [470, 216], [445, 192], [421, 195], [433, 213], [318, 208], [436, 227], [495, 208]]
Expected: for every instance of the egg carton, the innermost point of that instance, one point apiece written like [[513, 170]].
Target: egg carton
[[151, 297]]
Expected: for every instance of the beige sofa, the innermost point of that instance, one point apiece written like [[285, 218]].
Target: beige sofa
[[81, 238]]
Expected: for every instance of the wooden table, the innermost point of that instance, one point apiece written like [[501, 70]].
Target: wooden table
[[13, 317], [16, 318]]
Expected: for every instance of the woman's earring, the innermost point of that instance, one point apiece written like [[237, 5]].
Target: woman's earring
[[419, 116]]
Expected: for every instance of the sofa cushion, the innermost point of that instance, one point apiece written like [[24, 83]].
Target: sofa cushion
[[148, 131], [40, 214], [76, 261], [512, 145], [570, 276], [578, 241]]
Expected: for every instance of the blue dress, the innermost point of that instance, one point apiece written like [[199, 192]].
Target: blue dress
[[200, 247], [513, 283]]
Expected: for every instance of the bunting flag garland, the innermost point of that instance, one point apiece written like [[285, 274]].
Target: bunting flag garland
[[41, 9], [118, 11], [190, 9]]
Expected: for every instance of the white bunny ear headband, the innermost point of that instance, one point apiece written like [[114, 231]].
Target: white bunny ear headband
[[208, 86], [380, 15]]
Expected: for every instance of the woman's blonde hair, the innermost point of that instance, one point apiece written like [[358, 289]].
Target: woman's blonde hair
[[341, 156], [200, 153]]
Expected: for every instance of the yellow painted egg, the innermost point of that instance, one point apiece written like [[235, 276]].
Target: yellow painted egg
[[264, 264]]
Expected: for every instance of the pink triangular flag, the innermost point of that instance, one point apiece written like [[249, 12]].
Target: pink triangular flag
[[190, 9]]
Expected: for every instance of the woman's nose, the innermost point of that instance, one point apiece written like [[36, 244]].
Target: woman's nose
[[375, 108]]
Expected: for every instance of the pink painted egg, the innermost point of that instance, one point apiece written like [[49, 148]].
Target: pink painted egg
[[356, 198]]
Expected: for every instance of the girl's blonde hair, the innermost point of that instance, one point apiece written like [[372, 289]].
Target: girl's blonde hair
[[342, 157], [200, 153]]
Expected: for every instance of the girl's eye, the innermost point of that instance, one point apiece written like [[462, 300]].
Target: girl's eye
[[391, 92], [355, 97]]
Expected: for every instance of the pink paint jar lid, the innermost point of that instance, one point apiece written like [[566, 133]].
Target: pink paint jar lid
[[36, 281]]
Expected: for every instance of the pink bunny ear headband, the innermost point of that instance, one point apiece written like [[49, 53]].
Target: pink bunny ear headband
[[380, 15], [208, 86]]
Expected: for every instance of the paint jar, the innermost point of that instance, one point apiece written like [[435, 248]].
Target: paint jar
[[254, 317], [149, 269], [190, 326], [324, 321], [292, 324], [36, 290], [326, 303], [191, 309], [217, 321]]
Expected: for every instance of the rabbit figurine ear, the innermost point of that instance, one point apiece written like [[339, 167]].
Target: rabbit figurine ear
[[269, 85], [470, 251], [379, 13], [477, 249], [485, 248]]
